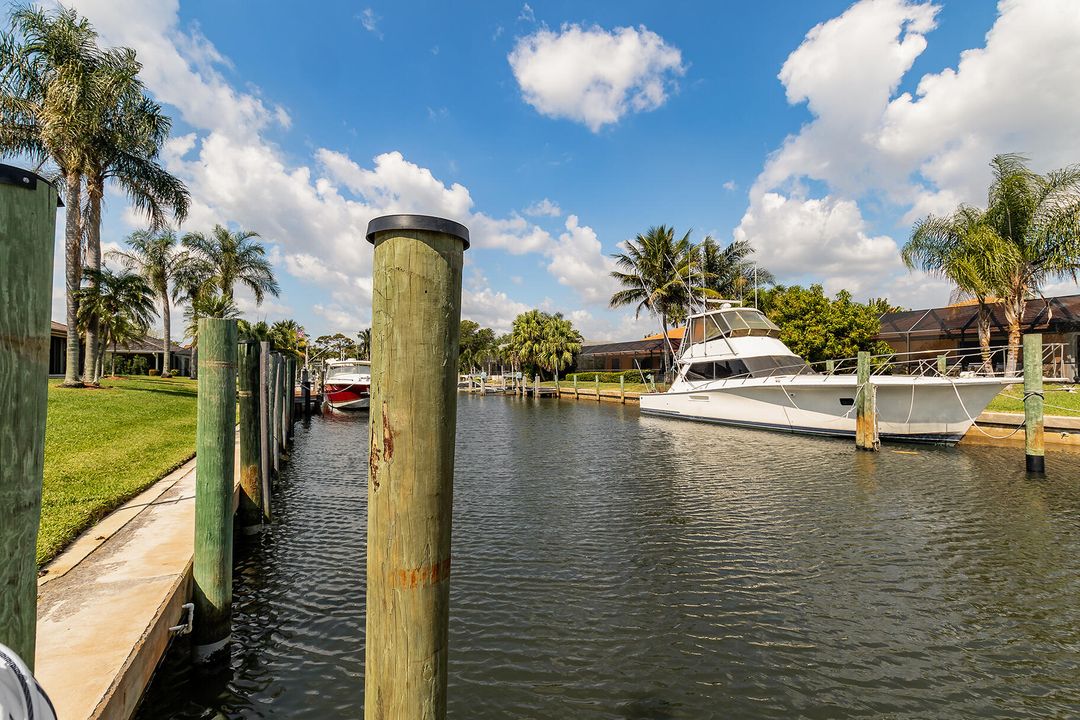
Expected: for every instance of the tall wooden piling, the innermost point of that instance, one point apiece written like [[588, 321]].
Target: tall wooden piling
[[305, 391], [596, 378], [1034, 448], [266, 465], [415, 320], [284, 407], [866, 431], [830, 366], [215, 447], [27, 228], [275, 412], [251, 500], [622, 389], [943, 364], [575, 387]]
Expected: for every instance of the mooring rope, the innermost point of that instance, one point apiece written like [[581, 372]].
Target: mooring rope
[[975, 424]]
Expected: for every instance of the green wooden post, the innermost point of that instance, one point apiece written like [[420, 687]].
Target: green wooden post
[[290, 397], [622, 389], [830, 366], [597, 379], [1034, 449], [536, 385], [250, 511], [215, 448], [266, 464], [415, 320], [575, 387], [27, 229], [283, 411], [866, 433], [942, 365], [558, 392], [275, 412]]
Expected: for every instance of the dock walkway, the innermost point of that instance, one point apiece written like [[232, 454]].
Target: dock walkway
[[105, 605]]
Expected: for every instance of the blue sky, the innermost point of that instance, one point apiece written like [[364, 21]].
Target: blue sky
[[818, 131]]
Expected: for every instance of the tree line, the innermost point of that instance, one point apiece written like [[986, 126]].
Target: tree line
[[82, 113], [538, 343]]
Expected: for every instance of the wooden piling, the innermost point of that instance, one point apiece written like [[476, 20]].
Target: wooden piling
[[27, 229], [290, 397], [622, 389], [305, 391], [866, 431], [249, 512], [942, 364], [536, 386], [266, 465], [215, 447], [275, 412], [596, 377], [830, 366], [415, 321], [575, 387], [1034, 448]]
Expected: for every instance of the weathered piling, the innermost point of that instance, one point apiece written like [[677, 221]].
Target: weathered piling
[[266, 465], [275, 412], [596, 377], [290, 396], [249, 513], [305, 391], [284, 407], [215, 447], [1034, 448], [942, 364], [622, 389], [415, 319], [27, 228], [536, 386], [830, 366], [866, 431], [575, 387]]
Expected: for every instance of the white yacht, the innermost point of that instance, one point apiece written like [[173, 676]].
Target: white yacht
[[347, 385], [733, 369]]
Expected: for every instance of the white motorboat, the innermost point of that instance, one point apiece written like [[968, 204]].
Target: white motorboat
[[348, 384], [733, 369]]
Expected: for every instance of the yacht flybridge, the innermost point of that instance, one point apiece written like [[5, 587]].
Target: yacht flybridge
[[733, 369]]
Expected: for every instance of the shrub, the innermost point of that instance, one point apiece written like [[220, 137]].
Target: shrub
[[154, 372]]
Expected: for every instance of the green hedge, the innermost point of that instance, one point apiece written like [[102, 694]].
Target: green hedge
[[609, 376]]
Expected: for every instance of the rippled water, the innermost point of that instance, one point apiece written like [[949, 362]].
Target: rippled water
[[608, 565]]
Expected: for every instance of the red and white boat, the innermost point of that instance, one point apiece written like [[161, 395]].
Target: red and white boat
[[348, 384]]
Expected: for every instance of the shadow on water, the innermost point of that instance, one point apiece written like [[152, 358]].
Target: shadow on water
[[608, 565]]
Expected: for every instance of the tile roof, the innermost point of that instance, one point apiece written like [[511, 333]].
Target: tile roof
[[1053, 314]]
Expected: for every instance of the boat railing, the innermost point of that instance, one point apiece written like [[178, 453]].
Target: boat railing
[[956, 362]]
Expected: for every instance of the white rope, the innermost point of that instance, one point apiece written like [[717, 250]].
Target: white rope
[[974, 424]]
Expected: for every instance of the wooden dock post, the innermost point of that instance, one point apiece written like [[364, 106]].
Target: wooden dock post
[[305, 391], [290, 397], [415, 320], [942, 364], [558, 392], [1034, 449], [596, 377], [536, 384], [27, 229], [830, 366], [275, 412], [575, 387], [866, 431], [622, 389], [266, 465], [251, 499], [282, 410], [215, 447]]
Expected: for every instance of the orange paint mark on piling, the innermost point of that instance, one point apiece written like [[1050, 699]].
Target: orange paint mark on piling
[[411, 578]]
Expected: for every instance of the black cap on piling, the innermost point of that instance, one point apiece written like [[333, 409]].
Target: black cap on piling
[[427, 223], [21, 177]]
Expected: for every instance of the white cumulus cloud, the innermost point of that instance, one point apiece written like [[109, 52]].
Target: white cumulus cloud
[[594, 76]]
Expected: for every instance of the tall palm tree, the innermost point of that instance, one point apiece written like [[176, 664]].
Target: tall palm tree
[[227, 258], [125, 149], [157, 257], [363, 344], [965, 250], [122, 304], [1039, 216], [656, 273], [728, 271], [288, 337], [54, 83], [561, 342], [259, 331]]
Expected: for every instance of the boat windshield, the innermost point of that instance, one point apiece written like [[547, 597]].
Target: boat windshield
[[762, 366], [349, 369], [735, 322]]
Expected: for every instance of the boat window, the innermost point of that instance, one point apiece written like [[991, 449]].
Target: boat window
[[716, 370], [777, 365], [739, 322]]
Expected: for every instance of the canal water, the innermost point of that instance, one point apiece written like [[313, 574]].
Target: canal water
[[610, 565]]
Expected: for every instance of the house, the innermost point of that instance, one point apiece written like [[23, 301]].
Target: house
[[646, 354], [955, 327], [147, 347]]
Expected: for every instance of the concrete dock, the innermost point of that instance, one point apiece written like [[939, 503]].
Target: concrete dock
[[105, 605]]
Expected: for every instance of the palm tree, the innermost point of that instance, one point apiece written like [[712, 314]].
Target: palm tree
[[54, 83], [561, 342], [656, 273], [527, 338], [157, 257], [288, 337], [122, 304], [1039, 217], [965, 250], [205, 304], [227, 258], [363, 344], [125, 150], [258, 332], [729, 272]]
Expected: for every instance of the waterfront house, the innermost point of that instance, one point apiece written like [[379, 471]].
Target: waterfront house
[[148, 348], [647, 354], [955, 327]]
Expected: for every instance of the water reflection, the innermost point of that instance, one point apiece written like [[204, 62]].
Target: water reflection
[[611, 566]]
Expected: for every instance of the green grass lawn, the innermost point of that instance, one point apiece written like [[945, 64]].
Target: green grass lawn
[[104, 446], [1058, 399]]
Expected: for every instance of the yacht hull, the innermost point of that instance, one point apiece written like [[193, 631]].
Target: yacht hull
[[909, 409]]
